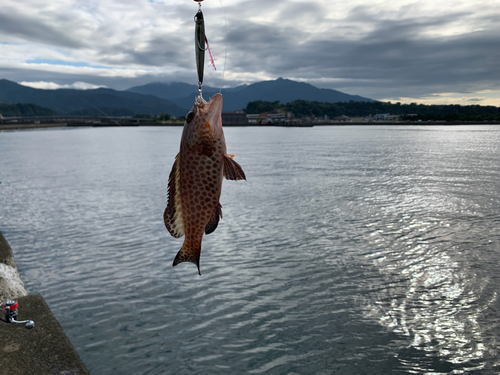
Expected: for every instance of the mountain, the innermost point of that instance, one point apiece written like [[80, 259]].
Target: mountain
[[173, 98], [171, 90], [100, 101], [23, 109], [178, 90], [282, 90]]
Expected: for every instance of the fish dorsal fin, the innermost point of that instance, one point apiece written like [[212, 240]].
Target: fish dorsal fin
[[232, 170], [173, 213], [214, 220]]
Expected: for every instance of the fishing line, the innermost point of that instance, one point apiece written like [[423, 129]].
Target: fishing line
[[85, 100], [225, 55], [159, 157], [150, 147]]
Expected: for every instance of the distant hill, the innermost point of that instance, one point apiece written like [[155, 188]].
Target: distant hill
[[19, 109], [169, 91], [282, 90], [173, 98], [97, 101]]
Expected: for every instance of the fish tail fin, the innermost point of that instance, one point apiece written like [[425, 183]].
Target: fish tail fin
[[188, 253]]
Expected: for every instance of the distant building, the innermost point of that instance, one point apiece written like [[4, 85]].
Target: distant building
[[386, 117], [343, 118], [234, 117], [276, 118], [392, 118], [253, 118]]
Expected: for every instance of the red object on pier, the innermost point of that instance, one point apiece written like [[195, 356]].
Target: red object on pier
[[11, 307]]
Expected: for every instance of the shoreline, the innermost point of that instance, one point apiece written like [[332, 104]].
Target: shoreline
[[29, 126]]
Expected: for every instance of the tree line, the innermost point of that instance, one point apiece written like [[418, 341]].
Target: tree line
[[26, 110], [21, 109], [412, 111]]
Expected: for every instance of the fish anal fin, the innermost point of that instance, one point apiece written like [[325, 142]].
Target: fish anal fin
[[232, 170], [188, 253], [214, 220], [173, 213]]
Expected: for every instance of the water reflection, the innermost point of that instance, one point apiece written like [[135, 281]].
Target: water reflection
[[427, 240], [348, 250]]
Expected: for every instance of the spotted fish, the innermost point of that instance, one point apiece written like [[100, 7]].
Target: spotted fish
[[195, 182]]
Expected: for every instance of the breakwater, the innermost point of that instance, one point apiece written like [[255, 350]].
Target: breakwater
[[11, 285], [44, 349]]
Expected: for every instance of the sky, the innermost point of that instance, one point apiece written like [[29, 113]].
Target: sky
[[425, 51]]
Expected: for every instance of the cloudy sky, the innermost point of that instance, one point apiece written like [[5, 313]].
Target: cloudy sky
[[423, 51]]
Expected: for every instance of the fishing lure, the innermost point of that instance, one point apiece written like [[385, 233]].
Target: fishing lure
[[199, 36], [201, 45], [212, 61]]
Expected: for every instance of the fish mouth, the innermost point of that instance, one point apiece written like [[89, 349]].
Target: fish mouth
[[215, 108], [215, 103]]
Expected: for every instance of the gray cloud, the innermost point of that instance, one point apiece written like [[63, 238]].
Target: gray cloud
[[36, 30], [396, 58], [370, 51]]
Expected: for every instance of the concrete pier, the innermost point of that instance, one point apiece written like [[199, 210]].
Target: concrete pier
[[11, 285], [44, 349]]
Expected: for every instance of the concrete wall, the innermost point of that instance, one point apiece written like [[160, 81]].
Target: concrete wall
[[44, 349], [11, 285]]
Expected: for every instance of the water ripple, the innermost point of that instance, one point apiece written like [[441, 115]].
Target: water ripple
[[348, 250]]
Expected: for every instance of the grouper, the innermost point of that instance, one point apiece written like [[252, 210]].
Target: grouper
[[195, 182]]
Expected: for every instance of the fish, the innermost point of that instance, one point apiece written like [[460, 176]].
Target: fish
[[195, 182]]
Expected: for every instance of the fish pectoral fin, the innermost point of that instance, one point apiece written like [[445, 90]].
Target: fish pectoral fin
[[214, 220], [188, 254], [205, 148], [232, 170], [173, 213]]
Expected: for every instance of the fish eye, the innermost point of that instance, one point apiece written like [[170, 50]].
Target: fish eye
[[190, 117]]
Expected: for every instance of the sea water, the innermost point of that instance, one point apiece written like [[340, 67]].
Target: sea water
[[348, 250]]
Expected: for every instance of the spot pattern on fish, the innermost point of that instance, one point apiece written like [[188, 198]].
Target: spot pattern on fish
[[195, 181]]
